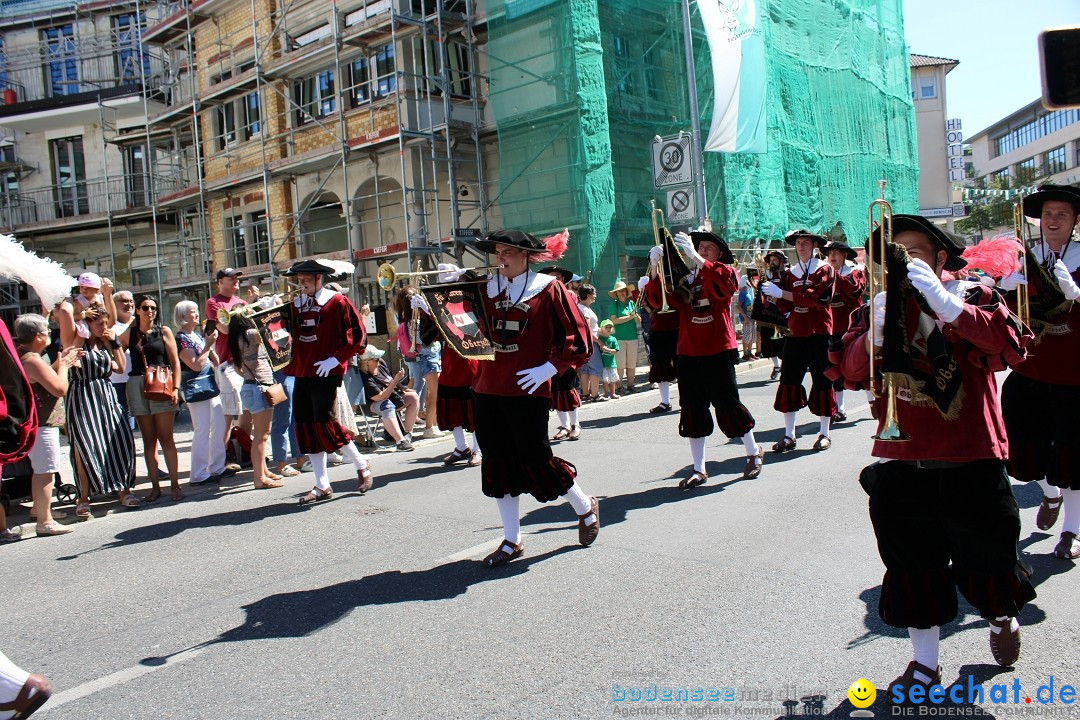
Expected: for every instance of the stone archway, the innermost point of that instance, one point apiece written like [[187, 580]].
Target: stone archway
[[323, 227]]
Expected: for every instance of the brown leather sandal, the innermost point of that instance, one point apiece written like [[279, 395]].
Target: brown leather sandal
[[1048, 512], [507, 551], [785, 445], [457, 456], [561, 434], [316, 495], [1005, 644], [824, 442], [363, 479], [754, 463], [35, 691], [698, 478], [908, 678], [587, 533]]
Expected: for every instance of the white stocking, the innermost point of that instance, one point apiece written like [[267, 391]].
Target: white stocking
[[571, 417], [924, 648], [823, 424], [665, 393], [475, 444], [459, 439], [563, 419], [12, 679], [1049, 490], [579, 501], [511, 517], [840, 402], [318, 464], [352, 454], [1070, 519], [697, 452], [749, 444], [789, 425]]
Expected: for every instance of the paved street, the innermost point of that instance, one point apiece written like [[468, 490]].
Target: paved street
[[239, 603]]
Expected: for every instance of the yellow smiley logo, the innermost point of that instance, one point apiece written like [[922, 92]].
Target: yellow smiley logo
[[862, 693]]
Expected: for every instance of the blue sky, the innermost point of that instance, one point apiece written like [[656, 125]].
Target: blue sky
[[996, 44]]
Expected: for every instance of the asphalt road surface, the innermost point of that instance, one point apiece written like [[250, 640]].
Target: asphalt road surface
[[237, 603]]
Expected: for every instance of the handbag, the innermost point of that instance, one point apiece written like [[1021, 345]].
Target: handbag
[[199, 386], [157, 383], [274, 394]]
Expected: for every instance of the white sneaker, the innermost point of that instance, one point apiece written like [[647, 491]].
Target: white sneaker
[[433, 432], [334, 458]]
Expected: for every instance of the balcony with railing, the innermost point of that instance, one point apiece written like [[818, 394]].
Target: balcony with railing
[[81, 201], [77, 68]]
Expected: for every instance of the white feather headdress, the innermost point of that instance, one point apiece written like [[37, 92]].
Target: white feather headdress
[[49, 279]]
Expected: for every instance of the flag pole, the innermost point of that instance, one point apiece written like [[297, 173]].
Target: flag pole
[[695, 124]]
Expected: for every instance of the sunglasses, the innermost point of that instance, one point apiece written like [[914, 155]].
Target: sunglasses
[[148, 308]]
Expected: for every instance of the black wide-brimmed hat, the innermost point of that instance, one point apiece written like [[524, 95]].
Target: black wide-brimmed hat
[[953, 245], [778, 253], [790, 238], [700, 236], [843, 247], [564, 274], [1033, 203], [513, 238], [310, 267]]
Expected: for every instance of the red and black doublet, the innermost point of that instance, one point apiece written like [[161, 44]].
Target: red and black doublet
[[324, 325], [663, 343], [847, 298], [941, 503], [806, 347], [455, 404], [1041, 397], [533, 320], [768, 345], [707, 353]]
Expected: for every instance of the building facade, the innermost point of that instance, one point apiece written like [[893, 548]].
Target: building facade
[[932, 122], [1030, 146]]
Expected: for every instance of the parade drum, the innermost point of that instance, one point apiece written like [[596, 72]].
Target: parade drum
[[458, 310]]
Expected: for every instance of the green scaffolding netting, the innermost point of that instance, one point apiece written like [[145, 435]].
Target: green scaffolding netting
[[579, 88]]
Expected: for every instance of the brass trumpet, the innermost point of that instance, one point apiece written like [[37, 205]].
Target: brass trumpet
[[890, 429], [388, 276], [1023, 297], [664, 307]]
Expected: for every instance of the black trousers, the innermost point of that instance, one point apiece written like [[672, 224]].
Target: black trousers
[[943, 530], [662, 344], [512, 430], [1043, 426], [802, 354], [710, 381]]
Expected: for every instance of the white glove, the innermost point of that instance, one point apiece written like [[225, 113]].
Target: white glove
[[82, 329], [448, 272], [879, 319], [655, 253], [1011, 282], [323, 367], [773, 291], [642, 282], [1065, 281], [686, 245], [419, 303], [531, 379], [944, 304]]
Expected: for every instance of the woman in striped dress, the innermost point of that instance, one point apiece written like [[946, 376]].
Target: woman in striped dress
[[103, 447]]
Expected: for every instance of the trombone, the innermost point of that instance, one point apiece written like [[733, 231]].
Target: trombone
[[763, 276], [1023, 293], [890, 428], [388, 276], [664, 307]]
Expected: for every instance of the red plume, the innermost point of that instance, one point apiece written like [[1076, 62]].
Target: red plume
[[556, 247], [997, 257]]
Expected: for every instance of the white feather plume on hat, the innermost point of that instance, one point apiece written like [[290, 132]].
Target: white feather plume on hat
[[50, 280], [341, 267]]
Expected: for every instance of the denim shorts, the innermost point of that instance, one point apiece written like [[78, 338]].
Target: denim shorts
[[253, 399], [428, 361], [138, 405]]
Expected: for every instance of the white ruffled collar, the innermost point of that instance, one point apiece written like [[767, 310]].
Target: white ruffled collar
[[517, 289], [321, 297], [811, 267], [1071, 259]]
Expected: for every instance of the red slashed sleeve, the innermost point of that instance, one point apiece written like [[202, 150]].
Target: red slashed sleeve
[[570, 343], [851, 287], [996, 337], [353, 337]]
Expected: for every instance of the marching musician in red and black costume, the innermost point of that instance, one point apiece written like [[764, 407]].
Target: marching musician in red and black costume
[[941, 502], [565, 399], [847, 298], [326, 332], [537, 332], [707, 352], [770, 340], [805, 292], [1040, 397], [663, 345]]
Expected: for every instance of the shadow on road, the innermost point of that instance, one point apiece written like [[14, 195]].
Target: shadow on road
[[304, 612]]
